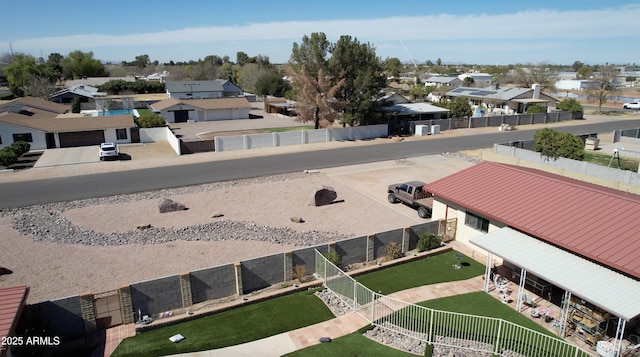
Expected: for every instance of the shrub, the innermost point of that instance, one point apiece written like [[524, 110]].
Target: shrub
[[393, 251], [7, 156], [20, 147], [428, 241], [150, 120], [75, 105], [299, 272], [536, 108], [554, 144], [333, 257], [570, 105]]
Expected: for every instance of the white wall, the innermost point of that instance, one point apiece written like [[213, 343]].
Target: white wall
[[7, 130], [153, 135], [253, 141]]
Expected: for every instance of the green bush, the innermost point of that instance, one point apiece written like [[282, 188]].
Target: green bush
[[150, 120], [20, 147], [393, 251], [333, 257], [7, 156], [554, 144], [536, 108], [75, 105], [570, 105], [428, 241]]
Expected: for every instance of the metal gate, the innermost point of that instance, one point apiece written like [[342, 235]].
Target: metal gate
[[448, 229], [107, 309]]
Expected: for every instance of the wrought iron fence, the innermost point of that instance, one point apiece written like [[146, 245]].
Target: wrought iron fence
[[463, 331]]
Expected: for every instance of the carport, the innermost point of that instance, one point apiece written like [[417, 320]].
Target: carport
[[577, 276]]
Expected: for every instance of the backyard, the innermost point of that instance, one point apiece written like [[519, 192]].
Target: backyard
[[278, 315]]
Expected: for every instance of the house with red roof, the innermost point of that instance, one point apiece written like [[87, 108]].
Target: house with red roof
[[561, 237]]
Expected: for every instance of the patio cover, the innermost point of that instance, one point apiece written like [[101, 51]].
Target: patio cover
[[605, 288]]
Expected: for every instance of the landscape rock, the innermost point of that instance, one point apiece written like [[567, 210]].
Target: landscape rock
[[143, 226], [217, 215], [169, 205], [297, 220], [323, 195]]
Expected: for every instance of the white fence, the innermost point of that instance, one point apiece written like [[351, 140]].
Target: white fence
[[255, 141], [153, 135], [434, 327]]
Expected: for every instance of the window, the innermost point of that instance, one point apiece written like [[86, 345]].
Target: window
[[23, 137], [476, 222], [121, 134], [0, 140]]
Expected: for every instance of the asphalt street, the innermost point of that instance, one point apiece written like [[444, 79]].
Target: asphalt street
[[27, 193]]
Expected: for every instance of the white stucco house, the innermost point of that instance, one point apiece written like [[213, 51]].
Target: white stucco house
[[574, 84], [218, 88], [48, 125], [175, 110], [480, 80], [443, 81]]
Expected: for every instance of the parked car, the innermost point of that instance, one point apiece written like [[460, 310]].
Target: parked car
[[108, 151], [413, 194], [632, 105]]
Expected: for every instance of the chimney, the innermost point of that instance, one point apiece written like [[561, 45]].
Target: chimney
[[536, 90]]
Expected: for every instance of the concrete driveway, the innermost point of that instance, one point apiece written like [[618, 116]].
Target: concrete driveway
[[68, 156]]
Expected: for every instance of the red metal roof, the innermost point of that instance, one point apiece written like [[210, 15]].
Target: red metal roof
[[12, 300], [599, 223]]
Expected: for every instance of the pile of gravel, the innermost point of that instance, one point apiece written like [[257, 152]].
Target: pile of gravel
[[46, 223]]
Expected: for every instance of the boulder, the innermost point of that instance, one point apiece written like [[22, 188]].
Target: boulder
[[297, 220], [143, 226], [323, 195], [169, 205]]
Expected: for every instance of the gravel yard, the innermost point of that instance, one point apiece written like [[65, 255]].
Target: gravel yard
[[94, 245]]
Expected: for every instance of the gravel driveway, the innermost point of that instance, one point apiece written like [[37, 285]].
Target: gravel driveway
[[94, 246]]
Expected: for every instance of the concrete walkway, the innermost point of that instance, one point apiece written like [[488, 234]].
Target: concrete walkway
[[291, 341]]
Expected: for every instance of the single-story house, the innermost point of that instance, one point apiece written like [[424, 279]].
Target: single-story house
[[217, 88], [403, 109], [12, 303], [509, 100], [443, 81], [564, 239], [175, 110], [480, 80], [97, 81], [85, 93], [31, 105], [45, 129]]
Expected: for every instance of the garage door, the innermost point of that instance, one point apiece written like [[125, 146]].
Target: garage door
[[82, 138]]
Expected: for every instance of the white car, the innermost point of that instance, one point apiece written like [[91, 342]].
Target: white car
[[108, 151], [633, 105]]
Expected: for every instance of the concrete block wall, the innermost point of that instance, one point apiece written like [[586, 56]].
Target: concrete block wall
[[306, 257], [262, 272], [351, 250], [156, 296], [62, 318], [213, 283]]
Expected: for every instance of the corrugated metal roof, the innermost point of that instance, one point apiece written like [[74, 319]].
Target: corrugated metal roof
[[603, 287], [599, 223], [12, 301]]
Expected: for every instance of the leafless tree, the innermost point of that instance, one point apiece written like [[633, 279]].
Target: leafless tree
[[604, 86], [315, 95], [530, 74], [39, 87]]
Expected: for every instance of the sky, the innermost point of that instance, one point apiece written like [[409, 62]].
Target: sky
[[455, 31]]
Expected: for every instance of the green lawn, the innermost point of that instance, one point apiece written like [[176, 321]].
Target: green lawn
[[430, 270], [290, 128], [232, 327], [603, 159], [354, 344]]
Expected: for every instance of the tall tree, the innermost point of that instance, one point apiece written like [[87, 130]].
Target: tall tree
[[315, 95], [80, 64], [242, 58], [26, 76], [530, 74], [393, 66], [364, 80], [604, 86], [312, 53], [142, 61]]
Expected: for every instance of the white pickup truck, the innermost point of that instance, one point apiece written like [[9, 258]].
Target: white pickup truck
[[635, 104]]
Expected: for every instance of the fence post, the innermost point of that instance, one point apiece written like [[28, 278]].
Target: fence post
[[355, 296], [370, 247], [239, 288], [185, 289], [88, 313], [406, 235], [126, 305], [288, 266], [496, 347]]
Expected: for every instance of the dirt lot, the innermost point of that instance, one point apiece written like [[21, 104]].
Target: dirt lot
[[58, 270]]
